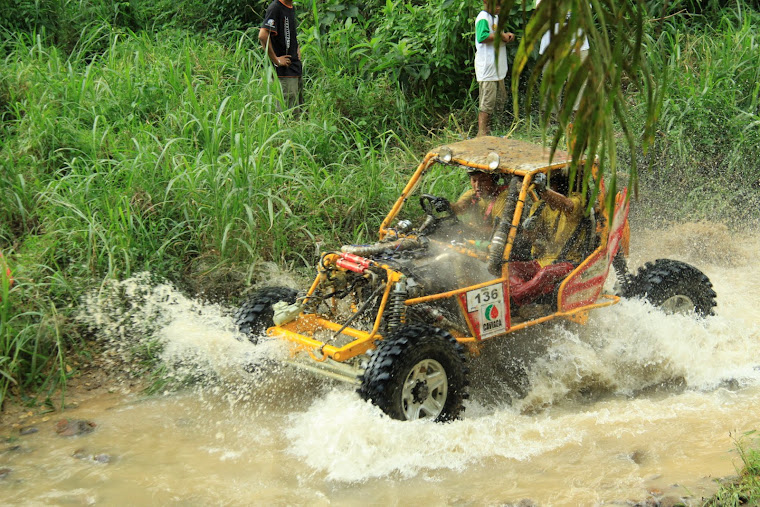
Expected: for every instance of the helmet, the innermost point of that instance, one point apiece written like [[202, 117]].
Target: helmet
[[471, 171]]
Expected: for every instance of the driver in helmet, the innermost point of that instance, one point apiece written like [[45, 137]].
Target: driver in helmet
[[481, 205]]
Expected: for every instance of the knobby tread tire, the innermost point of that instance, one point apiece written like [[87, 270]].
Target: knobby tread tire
[[624, 278], [664, 278], [256, 314], [391, 362]]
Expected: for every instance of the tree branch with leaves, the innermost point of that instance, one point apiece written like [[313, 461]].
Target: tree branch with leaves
[[616, 63]]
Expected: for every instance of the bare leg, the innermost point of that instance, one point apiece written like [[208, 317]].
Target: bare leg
[[483, 120]]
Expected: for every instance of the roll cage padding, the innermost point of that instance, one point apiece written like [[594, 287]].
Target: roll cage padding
[[501, 233]]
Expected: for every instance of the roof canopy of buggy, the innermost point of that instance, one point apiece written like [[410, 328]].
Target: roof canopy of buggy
[[500, 155]]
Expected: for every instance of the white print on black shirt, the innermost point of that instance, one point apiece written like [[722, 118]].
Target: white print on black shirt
[[287, 35]]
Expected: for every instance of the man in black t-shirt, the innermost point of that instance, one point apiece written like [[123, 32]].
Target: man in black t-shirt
[[278, 38]]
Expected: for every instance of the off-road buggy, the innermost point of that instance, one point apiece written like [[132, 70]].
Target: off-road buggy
[[398, 317]]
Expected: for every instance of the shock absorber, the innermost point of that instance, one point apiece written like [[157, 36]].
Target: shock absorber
[[396, 306]]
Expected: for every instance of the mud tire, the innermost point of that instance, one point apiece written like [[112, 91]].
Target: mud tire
[[255, 315], [622, 275], [412, 349], [665, 280]]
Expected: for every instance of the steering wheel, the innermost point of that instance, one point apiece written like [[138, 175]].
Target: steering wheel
[[436, 206], [437, 209]]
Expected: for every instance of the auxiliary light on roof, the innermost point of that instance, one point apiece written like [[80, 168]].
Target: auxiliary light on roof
[[493, 160], [444, 155]]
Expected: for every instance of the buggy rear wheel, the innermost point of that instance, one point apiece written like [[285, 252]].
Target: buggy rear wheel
[[622, 276], [674, 286], [417, 373], [256, 314]]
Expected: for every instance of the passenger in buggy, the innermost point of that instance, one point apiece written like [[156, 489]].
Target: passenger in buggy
[[554, 233]]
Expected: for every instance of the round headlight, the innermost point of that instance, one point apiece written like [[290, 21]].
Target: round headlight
[[493, 160], [444, 155]]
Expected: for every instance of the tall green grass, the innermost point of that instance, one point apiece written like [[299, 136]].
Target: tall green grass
[[745, 490], [705, 156], [165, 153]]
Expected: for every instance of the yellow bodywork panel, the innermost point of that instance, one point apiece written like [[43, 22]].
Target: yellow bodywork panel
[[302, 330]]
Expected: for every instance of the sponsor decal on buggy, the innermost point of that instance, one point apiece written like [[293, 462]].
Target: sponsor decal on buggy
[[585, 284], [486, 310], [492, 319]]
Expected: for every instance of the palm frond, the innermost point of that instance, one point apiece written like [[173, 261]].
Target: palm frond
[[616, 60]]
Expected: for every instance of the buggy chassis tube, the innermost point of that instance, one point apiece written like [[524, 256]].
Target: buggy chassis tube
[[362, 342], [339, 354], [612, 299], [451, 293], [519, 205], [408, 189], [332, 369]]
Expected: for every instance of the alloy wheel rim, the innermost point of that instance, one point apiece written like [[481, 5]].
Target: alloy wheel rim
[[425, 390], [678, 304]]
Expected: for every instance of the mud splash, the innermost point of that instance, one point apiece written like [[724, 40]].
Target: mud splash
[[634, 406], [700, 242]]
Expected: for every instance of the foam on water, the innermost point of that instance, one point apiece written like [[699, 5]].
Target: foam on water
[[350, 441], [629, 370], [363, 443], [588, 377], [194, 341], [633, 347]]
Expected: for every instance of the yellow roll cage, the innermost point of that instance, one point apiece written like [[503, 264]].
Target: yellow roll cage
[[488, 154]]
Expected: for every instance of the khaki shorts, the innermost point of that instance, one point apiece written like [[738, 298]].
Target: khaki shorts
[[292, 91], [493, 95]]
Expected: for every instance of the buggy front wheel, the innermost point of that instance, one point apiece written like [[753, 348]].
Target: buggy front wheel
[[256, 314], [418, 372]]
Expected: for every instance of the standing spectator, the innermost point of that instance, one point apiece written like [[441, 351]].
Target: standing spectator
[[490, 73], [278, 38]]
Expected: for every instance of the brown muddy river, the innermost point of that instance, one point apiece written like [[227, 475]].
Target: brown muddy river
[[634, 406]]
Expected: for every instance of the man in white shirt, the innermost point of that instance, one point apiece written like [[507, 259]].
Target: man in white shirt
[[489, 72]]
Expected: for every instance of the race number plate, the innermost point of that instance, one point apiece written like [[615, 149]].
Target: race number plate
[[488, 304]]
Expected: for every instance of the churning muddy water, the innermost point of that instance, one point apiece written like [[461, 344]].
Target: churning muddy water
[[634, 406]]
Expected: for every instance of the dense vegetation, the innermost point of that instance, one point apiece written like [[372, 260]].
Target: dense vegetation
[[144, 142], [144, 137]]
